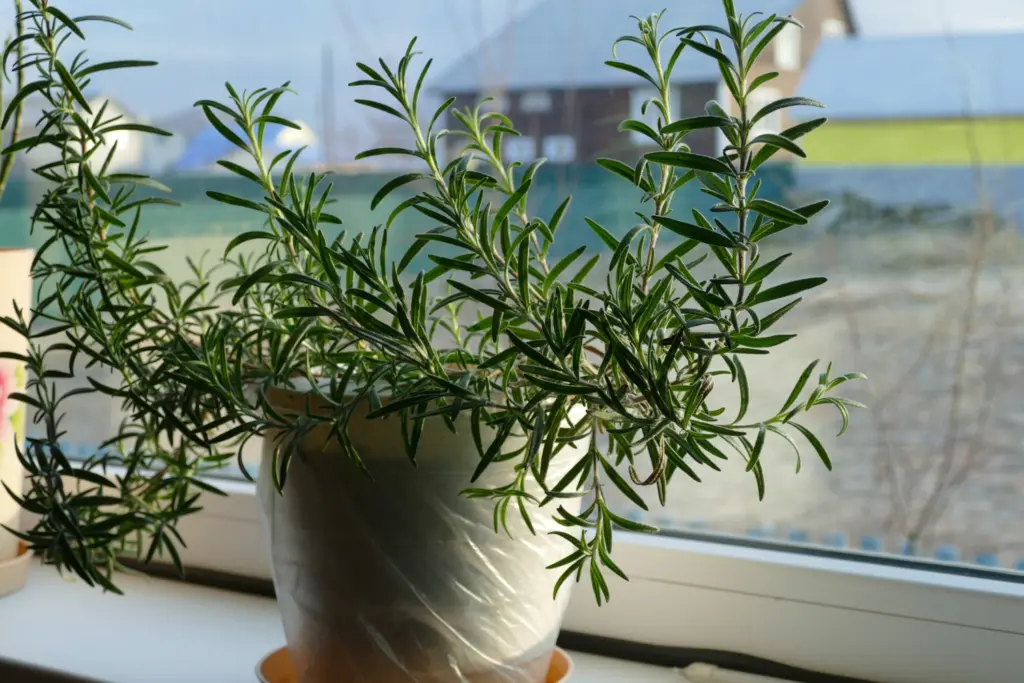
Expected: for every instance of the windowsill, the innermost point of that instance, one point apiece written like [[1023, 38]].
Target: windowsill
[[164, 630]]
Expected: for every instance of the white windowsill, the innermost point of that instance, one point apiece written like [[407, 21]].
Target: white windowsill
[[168, 631], [818, 613], [814, 613]]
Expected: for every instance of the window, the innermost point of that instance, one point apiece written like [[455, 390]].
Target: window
[[905, 563], [535, 102], [832, 28], [788, 48], [642, 109], [498, 101], [522, 148], [560, 149], [760, 98]]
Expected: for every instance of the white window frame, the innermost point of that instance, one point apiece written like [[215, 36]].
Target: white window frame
[[760, 98], [789, 48], [724, 98], [840, 614]]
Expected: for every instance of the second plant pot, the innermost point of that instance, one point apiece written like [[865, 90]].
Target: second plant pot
[[399, 577], [15, 292]]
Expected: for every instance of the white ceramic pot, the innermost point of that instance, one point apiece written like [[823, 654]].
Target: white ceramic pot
[[400, 578], [15, 287]]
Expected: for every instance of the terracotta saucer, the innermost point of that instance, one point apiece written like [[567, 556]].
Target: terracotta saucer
[[277, 668], [14, 572]]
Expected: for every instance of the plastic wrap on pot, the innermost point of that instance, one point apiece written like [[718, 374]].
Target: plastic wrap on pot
[[402, 579]]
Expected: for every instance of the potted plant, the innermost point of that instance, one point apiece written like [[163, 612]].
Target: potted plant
[[440, 448]]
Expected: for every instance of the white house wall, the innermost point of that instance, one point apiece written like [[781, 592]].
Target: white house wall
[[129, 151]]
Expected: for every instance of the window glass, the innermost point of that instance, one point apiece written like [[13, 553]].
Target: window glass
[[923, 158], [535, 102], [498, 101], [560, 149], [522, 149]]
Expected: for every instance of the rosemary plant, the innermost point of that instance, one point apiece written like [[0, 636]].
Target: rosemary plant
[[17, 111], [496, 328]]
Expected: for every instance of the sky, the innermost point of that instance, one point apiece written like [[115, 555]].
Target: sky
[[202, 43]]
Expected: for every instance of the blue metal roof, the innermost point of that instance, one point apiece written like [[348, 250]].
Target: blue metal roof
[[918, 76], [208, 147], [565, 43], [204, 150]]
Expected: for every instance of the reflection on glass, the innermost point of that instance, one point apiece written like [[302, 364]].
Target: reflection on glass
[[924, 154]]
